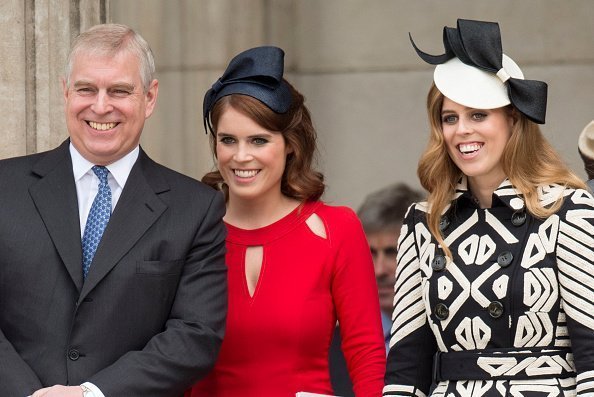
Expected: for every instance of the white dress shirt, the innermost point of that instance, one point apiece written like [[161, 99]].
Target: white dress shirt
[[87, 186], [87, 183]]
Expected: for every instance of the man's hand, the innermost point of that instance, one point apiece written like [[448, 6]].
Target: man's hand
[[59, 391]]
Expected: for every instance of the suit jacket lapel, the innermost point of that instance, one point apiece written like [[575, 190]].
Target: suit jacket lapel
[[137, 209], [55, 197]]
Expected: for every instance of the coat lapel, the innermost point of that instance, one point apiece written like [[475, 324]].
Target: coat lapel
[[55, 197], [137, 209]]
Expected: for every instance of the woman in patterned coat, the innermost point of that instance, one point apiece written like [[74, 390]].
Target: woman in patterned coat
[[495, 282]]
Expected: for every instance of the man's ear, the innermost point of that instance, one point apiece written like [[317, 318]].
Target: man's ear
[[64, 88], [151, 98]]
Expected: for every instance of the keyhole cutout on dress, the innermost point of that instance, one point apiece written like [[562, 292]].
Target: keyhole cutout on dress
[[254, 255], [316, 225], [253, 267]]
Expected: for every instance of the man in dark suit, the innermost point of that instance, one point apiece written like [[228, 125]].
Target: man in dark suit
[[112, 272]]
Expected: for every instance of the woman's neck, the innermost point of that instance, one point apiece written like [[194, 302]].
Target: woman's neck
[[256, 213], [482, 189]]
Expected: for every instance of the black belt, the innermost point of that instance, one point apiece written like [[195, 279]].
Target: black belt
[[504, 364]]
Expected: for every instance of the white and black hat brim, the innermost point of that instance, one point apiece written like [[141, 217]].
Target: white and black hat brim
[[472, 87]]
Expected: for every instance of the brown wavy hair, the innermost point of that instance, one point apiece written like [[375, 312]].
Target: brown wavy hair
[[528, 161], [300, 180]]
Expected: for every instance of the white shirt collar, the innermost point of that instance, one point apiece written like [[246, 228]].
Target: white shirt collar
[[120, 169]]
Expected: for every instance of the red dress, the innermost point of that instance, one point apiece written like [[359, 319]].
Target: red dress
[[276, 341]]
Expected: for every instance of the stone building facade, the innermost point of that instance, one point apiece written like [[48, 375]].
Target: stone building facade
[[352, 60]]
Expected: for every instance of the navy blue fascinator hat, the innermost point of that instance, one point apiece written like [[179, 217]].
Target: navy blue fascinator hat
[[475, 73], [257, 72]]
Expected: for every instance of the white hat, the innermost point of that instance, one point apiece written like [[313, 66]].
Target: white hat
[[474, 72], [472, 87]]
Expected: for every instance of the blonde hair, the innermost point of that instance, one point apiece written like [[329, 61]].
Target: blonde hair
[[528, 160]]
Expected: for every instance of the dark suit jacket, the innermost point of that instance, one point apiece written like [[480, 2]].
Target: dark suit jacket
[[339, 372], [148, 320]]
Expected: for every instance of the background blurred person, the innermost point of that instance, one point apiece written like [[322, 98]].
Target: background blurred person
[[586, 150], [381, 215]]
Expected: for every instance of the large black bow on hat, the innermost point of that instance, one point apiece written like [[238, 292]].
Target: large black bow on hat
[[257, 72], [478, 44]]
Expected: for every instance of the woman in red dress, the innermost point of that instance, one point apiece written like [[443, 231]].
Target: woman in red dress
[[295, 264]]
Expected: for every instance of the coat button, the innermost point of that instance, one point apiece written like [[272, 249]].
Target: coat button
[[518, 218], [444, 222], [73, 354], [441, 311], [438, 263], [495, 309], [505, 258]]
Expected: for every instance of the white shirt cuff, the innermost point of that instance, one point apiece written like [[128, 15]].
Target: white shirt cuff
[[95, 392]]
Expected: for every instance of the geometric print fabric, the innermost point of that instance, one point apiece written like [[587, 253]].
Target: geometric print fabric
[[553, 275], [97, 219]]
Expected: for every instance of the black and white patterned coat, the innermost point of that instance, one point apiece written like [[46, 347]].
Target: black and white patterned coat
[[516, 302]]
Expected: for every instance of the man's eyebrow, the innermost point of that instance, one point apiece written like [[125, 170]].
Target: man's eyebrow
[[126, 86], [79, 83], [119, 85]]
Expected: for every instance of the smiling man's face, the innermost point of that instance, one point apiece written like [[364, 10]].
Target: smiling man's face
[[106, 105]]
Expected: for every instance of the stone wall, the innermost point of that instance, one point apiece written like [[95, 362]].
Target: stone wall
[[36, 37], [351, 58]]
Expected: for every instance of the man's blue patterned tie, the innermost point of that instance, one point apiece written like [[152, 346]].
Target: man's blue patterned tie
[[97, 219]]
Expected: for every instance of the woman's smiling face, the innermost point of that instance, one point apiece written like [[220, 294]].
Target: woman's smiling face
[[251, 159], [476, 139]]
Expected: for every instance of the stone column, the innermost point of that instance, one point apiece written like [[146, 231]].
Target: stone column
[[35, 37]]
